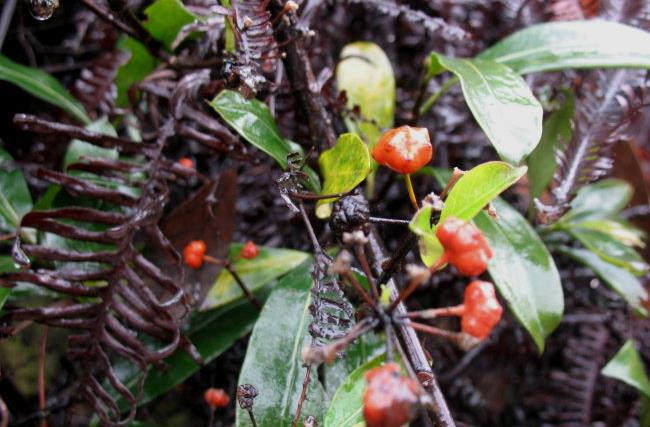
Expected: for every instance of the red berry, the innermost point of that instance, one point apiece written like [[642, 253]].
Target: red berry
[[465, 246], [186, 162], [193, 253], [404, 149], [216, 398], [390, 400], [482, 309], [249, 250]]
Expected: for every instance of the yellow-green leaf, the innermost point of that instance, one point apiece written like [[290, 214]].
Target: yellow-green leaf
[[628, 367], [343, 167]]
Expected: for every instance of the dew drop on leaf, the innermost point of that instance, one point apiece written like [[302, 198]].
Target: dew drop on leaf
[[42, 9]]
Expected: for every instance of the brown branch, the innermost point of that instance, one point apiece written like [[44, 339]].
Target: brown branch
[[303, 396], [41, 377]]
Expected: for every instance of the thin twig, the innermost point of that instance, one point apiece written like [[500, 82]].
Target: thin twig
[[303, 396], [379, 220], [249, 295], [5, 20], [42, 400]]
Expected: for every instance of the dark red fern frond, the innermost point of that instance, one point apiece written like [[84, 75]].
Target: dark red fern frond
[[571, 10], [131, 308]]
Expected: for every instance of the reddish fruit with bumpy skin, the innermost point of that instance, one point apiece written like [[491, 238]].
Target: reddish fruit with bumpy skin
[[193, 253], [249, 250], [465, 246], [186, 162], [482, 309], [404, 149], [390, 400], [216, 398]]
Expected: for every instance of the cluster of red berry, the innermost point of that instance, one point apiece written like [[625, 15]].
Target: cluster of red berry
[[216, 398], [194, 253]]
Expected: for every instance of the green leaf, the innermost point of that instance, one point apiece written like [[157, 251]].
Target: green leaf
[[361, 351], [252, 119], [603, 199], [523, 271], [622, 232], [256, 273], [6, 265], [42, 86], [610, 249], [541, 162], [501, 103], [78, 148], [273, 361], [140, 64], [619, 279], [212, 332], [165, 18], [365, 74], [15, 199], [343, 167], [478, 187], [627, 366], [575, 44], [346, 409], [430, 247]]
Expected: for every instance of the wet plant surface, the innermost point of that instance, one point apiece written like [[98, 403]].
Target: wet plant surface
[[126, 208]]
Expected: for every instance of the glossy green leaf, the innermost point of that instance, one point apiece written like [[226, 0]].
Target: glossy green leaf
[[501, 103], [575, 44], [619, 279], [541, 162], [628, 367], [140, 64], [365, 74], [523, 271], [270, 264], [15, 199], [252, 119], [602, 199], [273, 361], [610, 249], [430, 247], [165, 18], [212, 332], [478, 187], [78, 149], [361, 351], [343, 167], [623, 232], [346, 409], [42, 86]]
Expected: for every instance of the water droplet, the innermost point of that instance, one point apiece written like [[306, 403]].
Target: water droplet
[[43, 9]]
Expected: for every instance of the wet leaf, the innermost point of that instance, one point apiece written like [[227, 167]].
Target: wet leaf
[[628, 367], [42, 86], [15, 199], [78, 148], [140, 64], [273, 361], [165, 18], [501, 103], [343, 167], [430, 247], [365, 74], [617, 278], [478, 187], [256, 273], [212, 332], [346, 409], [252, 119], [523, 271], [576, 44], [541, 162], [610, 249], [623, 232], [603, 199]]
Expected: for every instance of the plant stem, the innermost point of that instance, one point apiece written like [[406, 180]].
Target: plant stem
[[432, 313], [249, 295], [409, 187], [426, 106], [303, 396], [42, 400]]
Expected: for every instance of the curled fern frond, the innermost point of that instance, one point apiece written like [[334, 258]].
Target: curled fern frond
[[571, 10], [117, 301], [95, 87]]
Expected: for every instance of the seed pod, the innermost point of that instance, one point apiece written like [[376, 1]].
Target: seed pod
[[404, 149], [482, 309]]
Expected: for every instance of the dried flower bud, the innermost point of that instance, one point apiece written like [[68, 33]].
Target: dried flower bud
[[246, 394], [356, 237], [342, 263], [417, 273]]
